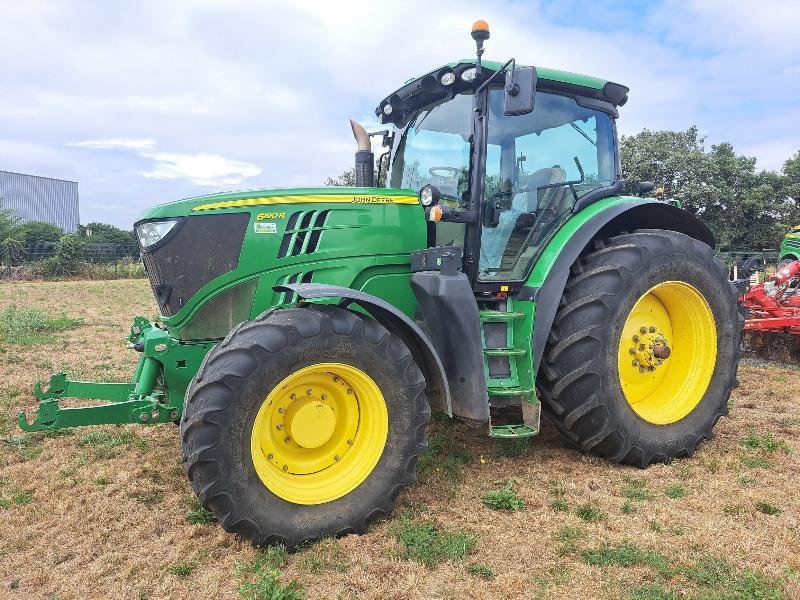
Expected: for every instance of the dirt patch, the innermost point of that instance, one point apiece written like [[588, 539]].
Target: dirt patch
[[107, 512]]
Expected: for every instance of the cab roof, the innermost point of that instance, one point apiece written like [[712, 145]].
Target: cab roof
[[422, 90]]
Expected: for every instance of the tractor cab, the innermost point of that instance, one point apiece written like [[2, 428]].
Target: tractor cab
[[501, 156]]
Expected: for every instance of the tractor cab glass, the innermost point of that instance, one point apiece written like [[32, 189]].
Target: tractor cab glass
[[538, 166]]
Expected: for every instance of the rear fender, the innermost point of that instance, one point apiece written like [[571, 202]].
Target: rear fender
[[398, 324], [549, 277]]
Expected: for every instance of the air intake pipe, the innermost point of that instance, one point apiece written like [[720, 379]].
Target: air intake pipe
[[365, 159]]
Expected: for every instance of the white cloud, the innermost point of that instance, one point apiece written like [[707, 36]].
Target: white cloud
[[201, 169], [116, 144]]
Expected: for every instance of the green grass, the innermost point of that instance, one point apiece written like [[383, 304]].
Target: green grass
[[768, 509], [568, 536], [443, 457], [560, 505], [149, 497], [514, 447], [591, 513], [676, 491], [757, 462], [261, 577], [197, 515], [626, 554], [765, 442], [628, 507], [31, 326], [708, 571], [734, 509], [482, 571], [182, 569], [325, 555], [504, 499], [98, 438], [430, 544], [16, 498], [635, 490]]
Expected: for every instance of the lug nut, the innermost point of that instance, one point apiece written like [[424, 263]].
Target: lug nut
[[293, 396], [635, 363], [281, 410], [279, 426], [636, 338], [285, 467], [642, 329], [324, 397], [336, 457], [309, 392], [349, 391], [652, 329], [349, 442], [287, 439], [641, 346], [642, 369], [270, 455], [632, 350]]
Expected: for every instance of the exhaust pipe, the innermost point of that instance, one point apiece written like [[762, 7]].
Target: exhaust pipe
[[365, 159]]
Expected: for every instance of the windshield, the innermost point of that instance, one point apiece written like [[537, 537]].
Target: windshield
[[434, 149], [547, 160]]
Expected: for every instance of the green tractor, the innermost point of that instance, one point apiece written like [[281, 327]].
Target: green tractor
[[790, 247], [305, 334]]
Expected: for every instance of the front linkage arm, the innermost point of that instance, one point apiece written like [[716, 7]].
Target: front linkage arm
[[135, 402]]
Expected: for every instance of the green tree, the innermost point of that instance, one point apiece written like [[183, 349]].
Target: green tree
[[38, 232], [742, 206], [103, 233], [346, 179]]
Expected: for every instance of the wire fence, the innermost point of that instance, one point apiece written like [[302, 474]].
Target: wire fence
[[114, 260]]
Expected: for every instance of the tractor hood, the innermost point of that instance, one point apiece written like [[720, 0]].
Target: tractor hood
[[212, 258], [265, 197]]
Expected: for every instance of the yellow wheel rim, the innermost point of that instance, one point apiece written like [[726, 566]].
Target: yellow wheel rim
[[667, 352], [319, 433]]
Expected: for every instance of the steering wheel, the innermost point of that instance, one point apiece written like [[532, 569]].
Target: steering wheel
[[452, 178]]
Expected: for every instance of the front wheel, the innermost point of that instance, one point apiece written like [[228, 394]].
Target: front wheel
[[643, 353], [303, 424]]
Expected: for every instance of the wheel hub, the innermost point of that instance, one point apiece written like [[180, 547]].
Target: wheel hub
[[649, 348], [312, 424]]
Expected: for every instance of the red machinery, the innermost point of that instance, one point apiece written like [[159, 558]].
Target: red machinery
[[772, 327]]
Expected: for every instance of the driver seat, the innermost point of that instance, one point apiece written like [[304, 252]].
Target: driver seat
[[495, 240]]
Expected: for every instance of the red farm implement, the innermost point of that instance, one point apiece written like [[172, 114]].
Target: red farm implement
[[772, 327]]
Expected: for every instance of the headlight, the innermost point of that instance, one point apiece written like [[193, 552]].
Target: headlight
[[468, 74], [153, 232], [429, 194], [447, 78]]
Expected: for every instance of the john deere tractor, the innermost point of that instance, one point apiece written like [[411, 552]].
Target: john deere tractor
[[498, 273]]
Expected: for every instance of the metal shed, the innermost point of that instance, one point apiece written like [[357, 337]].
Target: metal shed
[[35, 198]]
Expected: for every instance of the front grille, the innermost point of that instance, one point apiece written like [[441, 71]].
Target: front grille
[[199, 249], [303, 231]]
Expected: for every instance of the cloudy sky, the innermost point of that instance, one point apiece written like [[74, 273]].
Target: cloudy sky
[[144, 102]]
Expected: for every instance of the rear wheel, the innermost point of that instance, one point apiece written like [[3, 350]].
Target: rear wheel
[[302, 424], [643, 352]]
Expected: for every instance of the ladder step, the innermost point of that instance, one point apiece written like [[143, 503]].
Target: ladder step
[[504, 351], [511, 431], [510, 391], [498, 316]]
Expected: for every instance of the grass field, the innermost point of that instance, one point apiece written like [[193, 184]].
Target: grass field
[[107, 512]]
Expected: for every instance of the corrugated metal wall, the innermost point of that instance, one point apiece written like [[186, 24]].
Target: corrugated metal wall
[[35, 198]]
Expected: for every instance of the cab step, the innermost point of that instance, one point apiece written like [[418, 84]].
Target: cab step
[[499, 316], [512, 431], [504, 351], [513, 390]]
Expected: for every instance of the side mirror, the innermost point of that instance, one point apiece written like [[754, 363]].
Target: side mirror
[[644, 187], [520, 91]]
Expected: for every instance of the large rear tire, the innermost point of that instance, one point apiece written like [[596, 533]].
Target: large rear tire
[[643, 352], [304, 423]]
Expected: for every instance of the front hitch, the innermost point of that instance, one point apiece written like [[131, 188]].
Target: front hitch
[[136, 402]]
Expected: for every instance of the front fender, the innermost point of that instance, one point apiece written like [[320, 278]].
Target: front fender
[[398, 324], [601, 220]]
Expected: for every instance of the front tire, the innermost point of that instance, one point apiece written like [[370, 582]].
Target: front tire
[[304, 423], [644, 349]]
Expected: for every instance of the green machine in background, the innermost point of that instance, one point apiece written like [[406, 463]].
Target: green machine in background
[[305, 334], [790, 247]]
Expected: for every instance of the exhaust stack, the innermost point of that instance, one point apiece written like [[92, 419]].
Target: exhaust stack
[[365, 159]]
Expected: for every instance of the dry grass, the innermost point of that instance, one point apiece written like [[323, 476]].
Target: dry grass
[[106, 515]]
